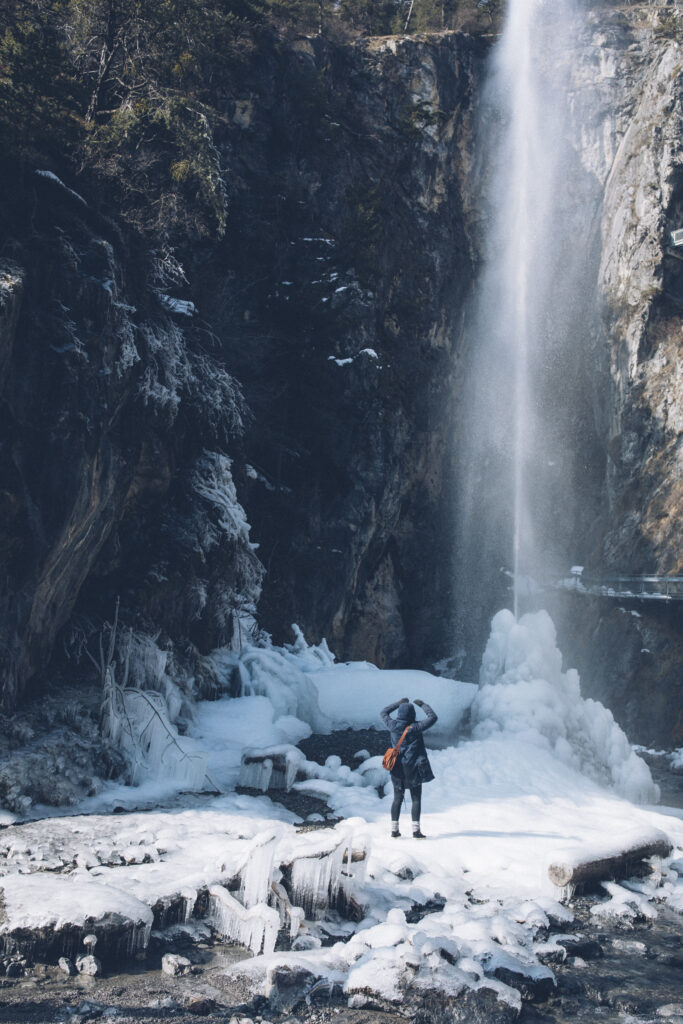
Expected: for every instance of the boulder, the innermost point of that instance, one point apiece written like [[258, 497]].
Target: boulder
[[88, 964], [175, 965]]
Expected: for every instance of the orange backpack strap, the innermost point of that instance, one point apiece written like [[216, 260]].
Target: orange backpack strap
[[403, 736]]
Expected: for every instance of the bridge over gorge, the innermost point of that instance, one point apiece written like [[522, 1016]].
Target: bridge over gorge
[[641, 588]]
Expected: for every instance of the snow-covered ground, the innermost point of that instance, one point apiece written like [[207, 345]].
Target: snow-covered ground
[[543, 777]]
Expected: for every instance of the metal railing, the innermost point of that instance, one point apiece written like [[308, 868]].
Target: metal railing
[[645, 588]]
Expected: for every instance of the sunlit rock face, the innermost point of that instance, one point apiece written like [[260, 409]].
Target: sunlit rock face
[[627, 127], [614, 385]]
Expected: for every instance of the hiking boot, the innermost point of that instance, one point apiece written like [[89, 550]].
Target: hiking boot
[[419, 835]]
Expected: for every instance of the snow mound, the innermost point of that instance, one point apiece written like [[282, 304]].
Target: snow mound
[[351, 696], [523, 692]]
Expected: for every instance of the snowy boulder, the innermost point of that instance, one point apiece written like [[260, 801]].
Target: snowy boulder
[[47, 916], [273, 767], [88, 964], [351, 696], [534, 987], [608, 860], [67, 965], [175, 965]]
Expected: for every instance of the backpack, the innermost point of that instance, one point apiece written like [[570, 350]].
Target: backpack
[[391, 756]]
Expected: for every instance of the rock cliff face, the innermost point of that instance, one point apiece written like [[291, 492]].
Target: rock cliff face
[[628, 126], [338, 293], [336, 301], [111, 482], [627, 129]]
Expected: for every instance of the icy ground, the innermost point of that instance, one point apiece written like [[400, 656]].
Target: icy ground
[[542, 778]]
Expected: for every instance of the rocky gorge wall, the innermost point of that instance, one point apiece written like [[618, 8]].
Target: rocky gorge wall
[[335, 304], [320, 358], [627, 126]]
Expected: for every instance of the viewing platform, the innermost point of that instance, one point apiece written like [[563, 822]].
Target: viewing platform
[[642, 588]]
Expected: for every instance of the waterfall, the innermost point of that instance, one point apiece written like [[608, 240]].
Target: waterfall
[[526, 415]]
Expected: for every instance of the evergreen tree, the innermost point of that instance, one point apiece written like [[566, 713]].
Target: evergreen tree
[[39, 94]]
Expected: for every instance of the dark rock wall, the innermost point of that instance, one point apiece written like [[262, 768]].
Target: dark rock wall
[[334, 301], [109, 408], [338, 293]]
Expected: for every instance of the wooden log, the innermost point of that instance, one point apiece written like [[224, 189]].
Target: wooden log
[[619, 859]]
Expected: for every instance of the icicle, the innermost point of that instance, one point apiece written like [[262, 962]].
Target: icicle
[[189, 899], [258, 872], [319, 882], [295, 915], [256, 927], [255, 773]]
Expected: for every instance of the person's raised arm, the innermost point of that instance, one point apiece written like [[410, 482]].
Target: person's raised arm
[[385, 713], [429, 721]]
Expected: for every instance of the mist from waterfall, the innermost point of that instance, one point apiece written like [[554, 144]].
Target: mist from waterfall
[[524, 419]]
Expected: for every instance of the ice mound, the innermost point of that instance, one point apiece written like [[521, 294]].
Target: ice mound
[[524, 693]]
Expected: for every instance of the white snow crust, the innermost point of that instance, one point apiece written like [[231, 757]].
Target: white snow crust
[[543, 775]]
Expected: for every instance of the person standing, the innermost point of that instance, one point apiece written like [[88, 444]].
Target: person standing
[[412, 766]]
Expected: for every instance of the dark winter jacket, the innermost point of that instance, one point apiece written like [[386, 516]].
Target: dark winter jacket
[[412, 767]]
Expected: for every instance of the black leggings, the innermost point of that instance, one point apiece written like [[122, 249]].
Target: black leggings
[[399, 793]]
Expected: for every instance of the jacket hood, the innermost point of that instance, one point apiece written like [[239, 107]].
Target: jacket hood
[[405, 714]]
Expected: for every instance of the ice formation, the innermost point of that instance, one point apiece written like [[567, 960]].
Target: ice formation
[[524, 693], [255, 927], [137, 722]]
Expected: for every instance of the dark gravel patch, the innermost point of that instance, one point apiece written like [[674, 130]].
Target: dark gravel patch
[[345, 744], [298, 803]]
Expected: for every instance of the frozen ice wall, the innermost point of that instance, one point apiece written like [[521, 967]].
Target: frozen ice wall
[[524, 694]]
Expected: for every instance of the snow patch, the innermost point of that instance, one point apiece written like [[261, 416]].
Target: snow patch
[[58, 181]]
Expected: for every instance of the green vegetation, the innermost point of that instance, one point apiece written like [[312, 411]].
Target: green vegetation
[[387, 17], [127, 92]]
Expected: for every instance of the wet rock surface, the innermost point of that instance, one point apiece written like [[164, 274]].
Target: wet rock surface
[[608, 972], [611, 971]]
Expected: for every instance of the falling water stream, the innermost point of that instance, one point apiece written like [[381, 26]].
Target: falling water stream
[[519, 506]]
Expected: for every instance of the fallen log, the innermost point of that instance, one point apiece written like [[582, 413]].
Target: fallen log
[[608, 861]]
